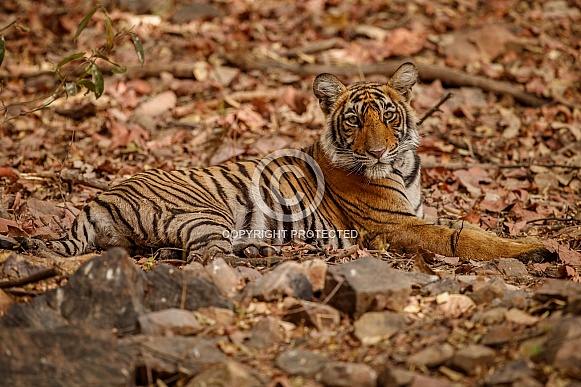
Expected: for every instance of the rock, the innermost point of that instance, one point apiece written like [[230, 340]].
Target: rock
[[170, 321], [287, 279], [484, 292], [5, 302], [159, 353], [343, 374], [559, 289], [66, 356], [473, 359], [223, 276], [373, 327], [510, 267], [316, 270], [517, 316], [394, 376], [16, 266], [225, 374], [562, 346], [314, 314], [491, 317], [247, 274], [510, 373], [169, 287], [456, 305], [300, 362], [220, 316], [105, 292], [369, 284], [446, 284], [7, 243], [498, 334], [266, 334], [424, 381], [431, 356]]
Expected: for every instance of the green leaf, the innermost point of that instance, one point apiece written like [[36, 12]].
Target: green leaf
[[86, 84], [110, 33], [2, 49], [119, 70], [138, 47], [70, 58], [85, 21], [101, 56], [98, 81]]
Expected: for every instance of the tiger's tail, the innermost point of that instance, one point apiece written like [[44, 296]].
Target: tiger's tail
[[80, 237]]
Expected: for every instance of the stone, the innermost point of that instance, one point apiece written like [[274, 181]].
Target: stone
[[170, 321], [300, 362], [247, 274], [562, 346], [220, 316], [169, 287], [320, 316], [559, 289], [368, 284], [286, 280], [223, 276], [316, 270], [226, 374], [16, 266], [5, 302], [510, 267], [424, 381], [473, 359], [343, 374], [491, 316], [373, 327], [158, 354], [265, 334], [157, 105], [431, 356], [510, 373], [65, 356], [456, 305], [517, 316], [446, 284], [497, 335], [105, 292], [485, 292], [393, 376]]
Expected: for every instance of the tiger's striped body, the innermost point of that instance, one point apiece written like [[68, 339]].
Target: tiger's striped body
[[371, 172]]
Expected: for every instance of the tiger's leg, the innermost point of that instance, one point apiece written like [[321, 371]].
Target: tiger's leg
[[411, 234]]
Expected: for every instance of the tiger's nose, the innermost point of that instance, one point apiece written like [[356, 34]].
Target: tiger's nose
[[376, 152]]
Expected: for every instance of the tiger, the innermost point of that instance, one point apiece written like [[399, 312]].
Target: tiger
[[359, 184]]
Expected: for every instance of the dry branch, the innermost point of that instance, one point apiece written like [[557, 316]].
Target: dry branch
[[448, 76], [44, 274]]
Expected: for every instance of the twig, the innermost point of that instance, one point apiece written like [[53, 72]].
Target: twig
[[44, 274], [436, 107], [313, 48], [448, 76]]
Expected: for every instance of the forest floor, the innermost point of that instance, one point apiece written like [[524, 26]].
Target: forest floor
[[231, 80]]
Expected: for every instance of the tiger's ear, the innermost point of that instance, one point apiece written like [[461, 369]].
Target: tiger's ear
[[328, 89], [404, 78]]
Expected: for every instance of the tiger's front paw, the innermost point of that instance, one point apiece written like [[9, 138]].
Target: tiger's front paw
[[537, 253]]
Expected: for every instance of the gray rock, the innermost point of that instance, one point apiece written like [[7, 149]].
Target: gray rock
[[372, 327], [316, 270], [510, 267], [491, 316], [473, 359], [497, 335], [287, 279], [66, 356], [368, 284], [169, 287], [562, 346], [446, 284], [423, 381], [510, 373], [559, 289], [343, 374], [225, 374], [309, 313], [394, 376], [223, 276], [247, 274], [431, 356], [266, 334], [170, 321], [300, 362]]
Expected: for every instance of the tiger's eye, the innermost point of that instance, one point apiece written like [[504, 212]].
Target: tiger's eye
[[388, 116], [352, 120]]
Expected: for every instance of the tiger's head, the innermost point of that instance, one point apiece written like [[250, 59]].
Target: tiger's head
[[369, 125]]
